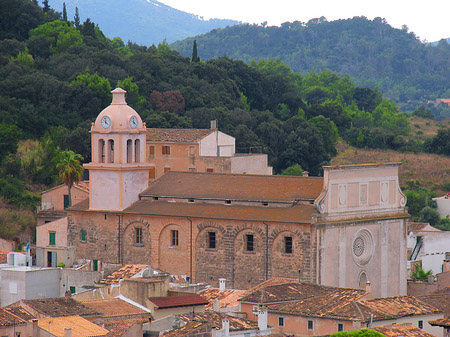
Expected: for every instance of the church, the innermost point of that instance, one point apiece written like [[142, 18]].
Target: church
[[345, 229]]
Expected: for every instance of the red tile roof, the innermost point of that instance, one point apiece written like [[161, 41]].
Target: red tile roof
[[125, 272], [405, 330], [443, 322], [115, 307], [177, 135], [439, 299], [118, 327], [9, 319], [227, 298], [58, 307], [178, 301], [213, 319], [295, 214], [244, 187], [20, 312]]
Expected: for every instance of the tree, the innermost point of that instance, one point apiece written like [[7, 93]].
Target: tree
[[195, 57], [76, 18], [46, 6], [69, 169], [64, 12], [419, 274], [430, 215], [9, 138], [294, 170]]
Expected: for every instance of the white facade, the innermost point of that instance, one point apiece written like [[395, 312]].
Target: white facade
[[217, 144], [435, 249], [443, 206]]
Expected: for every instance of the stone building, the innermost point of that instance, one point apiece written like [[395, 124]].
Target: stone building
[[345, 229]]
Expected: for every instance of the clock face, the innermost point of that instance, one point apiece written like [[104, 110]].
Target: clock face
[[133, 122], [106, 122]]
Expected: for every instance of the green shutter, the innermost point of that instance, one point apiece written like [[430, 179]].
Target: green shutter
[[72, 290], [83, 236], [66, 201], [52, 238]]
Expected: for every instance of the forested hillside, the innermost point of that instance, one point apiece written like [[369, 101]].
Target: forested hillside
[[57, 76], [373, 53]]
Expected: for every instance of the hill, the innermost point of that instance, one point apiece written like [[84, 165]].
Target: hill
[[145, 22], [370, 51]]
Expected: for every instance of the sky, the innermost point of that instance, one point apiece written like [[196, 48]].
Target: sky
[[428, 19]]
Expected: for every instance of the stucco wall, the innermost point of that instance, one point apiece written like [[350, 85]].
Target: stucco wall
[[218, 144], [250, 164], [54, 198], [59, 227], [433, 252]]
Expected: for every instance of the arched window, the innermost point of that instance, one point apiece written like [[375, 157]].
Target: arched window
[[362, 281], [101, 151], [129, 151], [137, 151], [110, 154]]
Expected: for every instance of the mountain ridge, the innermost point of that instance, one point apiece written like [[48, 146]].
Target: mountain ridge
[[145, 22]]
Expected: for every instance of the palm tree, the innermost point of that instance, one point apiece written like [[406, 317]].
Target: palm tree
[[70, 169]]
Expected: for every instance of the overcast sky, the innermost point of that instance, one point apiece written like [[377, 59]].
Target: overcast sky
[[428, 19]]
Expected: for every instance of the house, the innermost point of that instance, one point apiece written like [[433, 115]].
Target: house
[[200, 150], [311, 309], [404, 329], [222, 299], [135, 283], [189, 223], [11, 324], [433, 250], [21, 282], [211, 323], [55, 200], [64, 327]]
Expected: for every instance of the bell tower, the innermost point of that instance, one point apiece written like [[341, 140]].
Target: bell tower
[[118, 171]]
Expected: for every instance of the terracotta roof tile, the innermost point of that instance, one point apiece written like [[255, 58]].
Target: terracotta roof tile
[[9, 319], [295, 291], [118, 327], [214, 319], [296, 214], [439, 300], [421, 229], [268, 283], [115, 307], [228, 298], [3, 257], [177, 135], [443, 322], [394, 307], [59, 306], [178, 301], [20, 312], [197, 185], [125, 272], [405, 329], [80, 327]]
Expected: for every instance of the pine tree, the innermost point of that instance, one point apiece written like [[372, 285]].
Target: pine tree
[[46, 6], [64, 12], [195, 57], [76, 18]]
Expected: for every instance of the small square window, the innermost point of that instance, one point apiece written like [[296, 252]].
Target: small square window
[[340, 327], [212, 240], [174, 237], [280, 321], [52, 238], [166, 150], [420, 324], [310, 325], [83, 235], [192, 151], [288, 244], [138, 238], [249, 243], [209, 170], [192, 169], [166, 169], [151, 150], [228, 202]]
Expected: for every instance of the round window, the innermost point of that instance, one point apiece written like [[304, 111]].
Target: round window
[[363, 247]]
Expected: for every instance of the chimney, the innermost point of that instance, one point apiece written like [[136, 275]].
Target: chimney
[[226, 327], [430, 279], [36, 329], [222, 284], [67, 332], [216, 306], [262, 318], [214, 124], [446, 266], [305, 174]]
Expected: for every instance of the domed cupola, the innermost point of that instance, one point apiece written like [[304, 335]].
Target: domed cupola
[[118, 171], [119, 116]]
